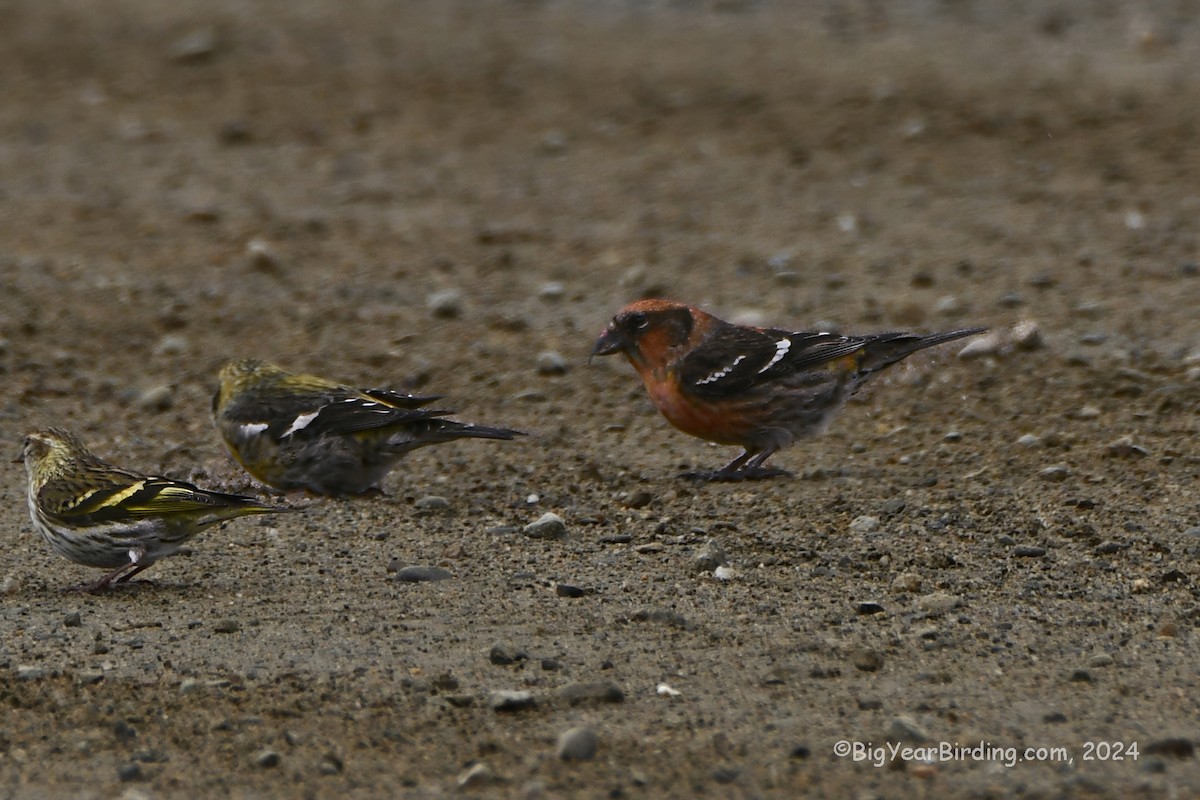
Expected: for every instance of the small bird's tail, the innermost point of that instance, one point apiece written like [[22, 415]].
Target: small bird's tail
[[435, 430], [886, 349]]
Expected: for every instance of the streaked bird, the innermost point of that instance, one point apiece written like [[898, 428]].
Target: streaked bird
[[101, 515], [296, 431]]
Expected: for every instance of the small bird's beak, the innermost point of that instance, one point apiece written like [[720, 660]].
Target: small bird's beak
[[20, 459], [611, 341]]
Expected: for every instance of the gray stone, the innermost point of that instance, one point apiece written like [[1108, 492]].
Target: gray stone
[[906, 729], [431, 502], [709, 557], [577, 744], [938, 603], [864, 524], [266, 759], [552, 362], [446, 304], [417, 574], [592, 692], [511, 699], [547, 526]]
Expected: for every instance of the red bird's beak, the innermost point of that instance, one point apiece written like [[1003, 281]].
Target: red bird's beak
[[611, 341]]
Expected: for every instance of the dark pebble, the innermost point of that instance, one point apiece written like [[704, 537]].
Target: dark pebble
[[1029, 551], [124, 731], [869, 607], [1055, 716], [1108, 548], [551, 665], [567, 590], [131, 771], [72, 620], [418, 574], [1174, 746], [867, 660], [227, 626], [266, 759], [617, 538], [726, 774], [801, 751], [639, 499], [503, 654], [592, 692], [1081, 676]]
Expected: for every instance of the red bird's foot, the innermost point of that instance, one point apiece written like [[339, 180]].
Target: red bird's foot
[[744, 474]]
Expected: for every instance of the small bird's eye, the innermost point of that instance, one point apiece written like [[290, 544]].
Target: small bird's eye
[[638, 320]]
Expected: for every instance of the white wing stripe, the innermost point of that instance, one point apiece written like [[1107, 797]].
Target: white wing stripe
[[301, 422], [721, 373], [781, 350]]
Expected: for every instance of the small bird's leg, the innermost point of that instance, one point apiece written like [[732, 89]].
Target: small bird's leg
[[135, 556], [746, 467]]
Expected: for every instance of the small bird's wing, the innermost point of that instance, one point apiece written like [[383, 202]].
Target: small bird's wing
[[737, 358], [354, 414], [110, 494], [309, 408], [400, 399]]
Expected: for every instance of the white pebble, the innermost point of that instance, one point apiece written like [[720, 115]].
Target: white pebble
[[864, 524], [665, 690]]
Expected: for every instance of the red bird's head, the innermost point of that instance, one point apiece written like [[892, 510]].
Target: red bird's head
[[648, 332]]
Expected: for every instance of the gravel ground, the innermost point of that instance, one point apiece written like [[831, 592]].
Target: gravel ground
[[996, 546]]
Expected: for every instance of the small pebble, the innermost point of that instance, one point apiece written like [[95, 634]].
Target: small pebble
[[724, 573], [864, 524], [906, 582], [906, 729], [227, 626], [1055, 473], [577, 744], [868, 607], [476, 775], [567, 590], [592, 692], [639, 499], [1125, 448], [330, 765], [130, 771], [505, 654], [709, 557], [418, 574], [949, 306], [938, 603], [171, 345], [156, 398], [266, 759], [72, 620], [511, 700], [665, 690], [445, 304], [989, 344], [552, 291], [547, 526], [29, 673], [193, 46], [260, 255], [431, 502], [552, 362], [1027, 336], [866, 660], [1029, 440], [1029, 551]]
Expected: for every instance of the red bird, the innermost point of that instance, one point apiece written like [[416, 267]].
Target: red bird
[[760, 388]]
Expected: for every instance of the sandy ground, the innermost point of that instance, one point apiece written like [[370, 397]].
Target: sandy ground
[[999, 550]]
